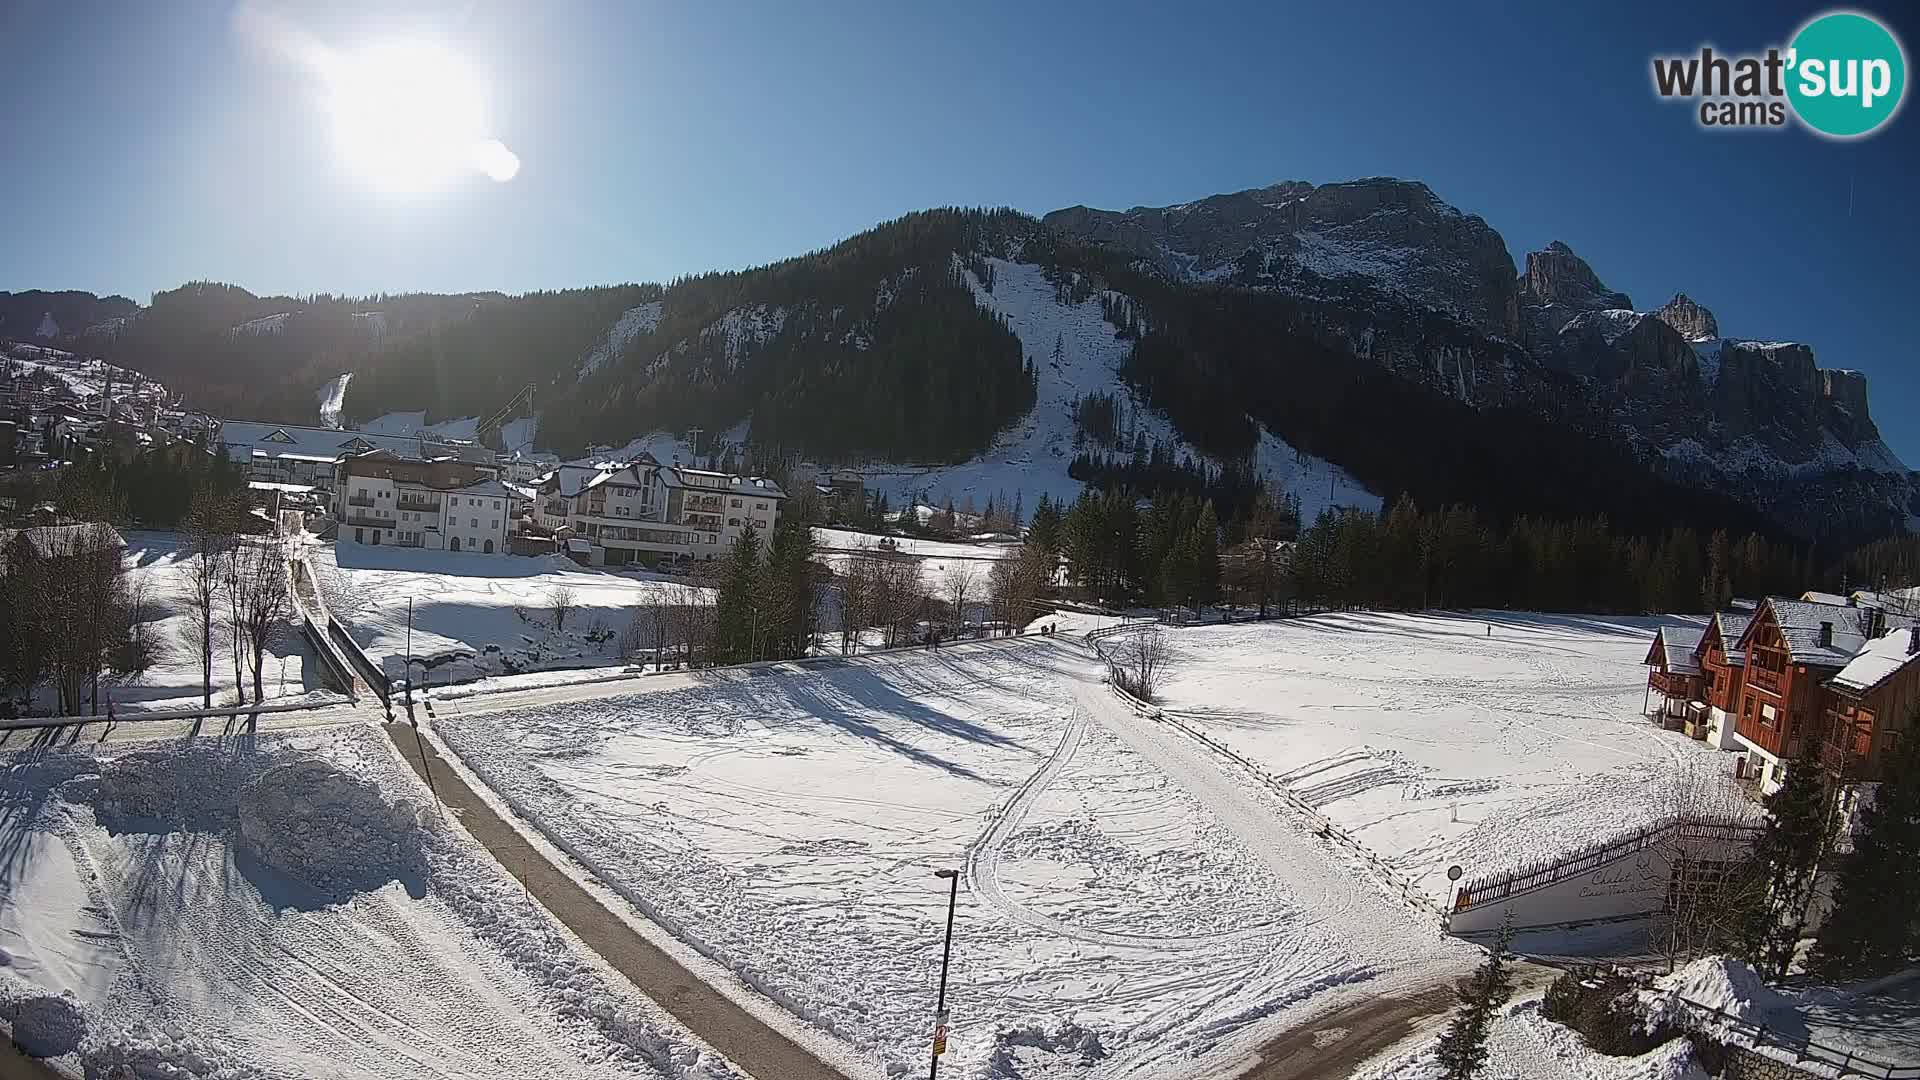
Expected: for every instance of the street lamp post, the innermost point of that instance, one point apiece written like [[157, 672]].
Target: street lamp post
[[946, 957]]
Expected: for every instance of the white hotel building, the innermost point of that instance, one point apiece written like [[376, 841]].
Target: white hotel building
[[643, 511], [382, 498]]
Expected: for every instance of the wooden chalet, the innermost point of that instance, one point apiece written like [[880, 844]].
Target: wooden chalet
[[1674, 674], [1871, 704], [1723, 673], [1793, 647]]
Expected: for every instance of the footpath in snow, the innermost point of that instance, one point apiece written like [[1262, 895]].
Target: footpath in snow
[[289, 907], [1127, 909]]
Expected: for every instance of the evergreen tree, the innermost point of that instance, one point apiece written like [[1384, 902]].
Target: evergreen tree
[[1875, 921], [1716, 591], [735, 617], [1045, 533], [1800, 818], [1205, 560], [1463, 1049]]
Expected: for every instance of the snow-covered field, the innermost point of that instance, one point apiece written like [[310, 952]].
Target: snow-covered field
[[937, 558], [1124, 909], [220, 908], [465, 621], [157, 572], [1435, 743]]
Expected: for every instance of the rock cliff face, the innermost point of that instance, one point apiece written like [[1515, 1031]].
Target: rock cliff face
[[1694, 322], [1758, 420], [1396, 235]]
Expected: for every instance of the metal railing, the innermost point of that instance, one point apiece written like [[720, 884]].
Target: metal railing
[[359, 500], [1804, 1050], [1522, 879]]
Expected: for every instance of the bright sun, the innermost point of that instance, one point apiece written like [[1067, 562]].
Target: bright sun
[[411, 116]]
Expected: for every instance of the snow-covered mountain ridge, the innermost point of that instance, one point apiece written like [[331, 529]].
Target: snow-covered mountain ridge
[[1758, 419]]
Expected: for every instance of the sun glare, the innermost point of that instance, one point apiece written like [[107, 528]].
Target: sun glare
[[411, 116]]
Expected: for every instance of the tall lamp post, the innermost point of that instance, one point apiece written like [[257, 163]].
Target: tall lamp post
[[946, 957]]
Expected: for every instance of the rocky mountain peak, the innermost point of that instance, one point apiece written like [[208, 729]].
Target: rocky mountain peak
[[1556, 276], [1694, 322], [1395, 235]]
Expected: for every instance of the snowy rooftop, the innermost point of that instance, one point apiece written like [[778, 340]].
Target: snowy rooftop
[[246, 439], [1801, 624], [1879, 661], [1675, 645], [1733, 626]]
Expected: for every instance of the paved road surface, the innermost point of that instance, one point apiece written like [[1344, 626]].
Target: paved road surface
[[736, 1033]]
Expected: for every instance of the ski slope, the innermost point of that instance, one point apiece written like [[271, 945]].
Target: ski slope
[[1031, 458], [1126, 908], [1435, 743], [285, 907]]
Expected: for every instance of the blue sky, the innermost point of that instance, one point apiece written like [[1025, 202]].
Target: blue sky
[[149, 144]]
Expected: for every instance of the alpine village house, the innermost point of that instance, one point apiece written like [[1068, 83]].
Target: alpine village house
[[1840, 671]]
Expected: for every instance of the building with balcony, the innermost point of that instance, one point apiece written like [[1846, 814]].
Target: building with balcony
[[1871, 704], [1674, 673], [1723, 672], [643, 511], [1796, 650], [444, 504], [292, 454]]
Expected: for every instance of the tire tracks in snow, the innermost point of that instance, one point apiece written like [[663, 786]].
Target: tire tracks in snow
[[983, 859]]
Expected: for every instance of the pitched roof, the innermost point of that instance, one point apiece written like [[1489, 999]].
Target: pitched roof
[[1883, 657], [246, 439], [1800, 623], [1674, 646], [54, 541], [1732, 626]]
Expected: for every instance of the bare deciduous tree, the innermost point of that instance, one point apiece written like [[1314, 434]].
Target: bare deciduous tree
[[1140, 662], [962, 580], [1711, 883], [205, 561], [646, 630], [261, 602], [560, 602]]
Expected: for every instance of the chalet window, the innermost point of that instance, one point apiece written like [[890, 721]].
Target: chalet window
[[496, 504], [736, 504]]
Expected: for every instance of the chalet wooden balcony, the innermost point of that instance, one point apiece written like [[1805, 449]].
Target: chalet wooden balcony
[[368, 519], [1674, 684], [1765, 679], [359, 500], [430, 505]]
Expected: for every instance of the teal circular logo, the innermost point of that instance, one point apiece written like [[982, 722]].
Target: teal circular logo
[[1846, 74]]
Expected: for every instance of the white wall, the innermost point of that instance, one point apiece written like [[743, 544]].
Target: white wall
[[1634, 883]]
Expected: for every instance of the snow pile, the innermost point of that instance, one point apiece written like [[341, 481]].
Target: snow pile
[[1026, 1050], [313, 822], [1728, 985], [48, 1025], [192, 786], [159, 1052]]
